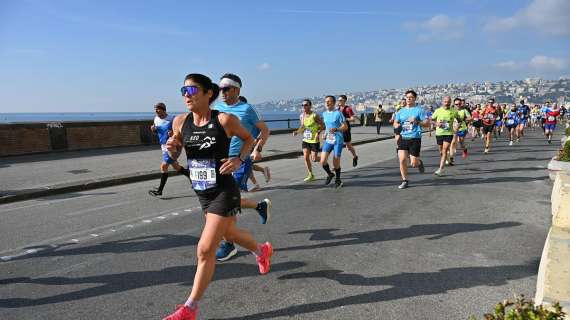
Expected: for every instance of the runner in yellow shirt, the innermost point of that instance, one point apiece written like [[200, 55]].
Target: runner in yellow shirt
[[311, 126], [444, 118]]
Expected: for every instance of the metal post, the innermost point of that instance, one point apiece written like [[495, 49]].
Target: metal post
[[288, 123]]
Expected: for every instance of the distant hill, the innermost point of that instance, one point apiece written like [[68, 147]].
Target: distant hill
[[533, 90]]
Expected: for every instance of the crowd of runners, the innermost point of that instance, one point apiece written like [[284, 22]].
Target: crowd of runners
[[223, 140]]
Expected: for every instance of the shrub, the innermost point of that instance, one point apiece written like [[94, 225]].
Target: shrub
[[522, 309], [567, 131], [565, 152]]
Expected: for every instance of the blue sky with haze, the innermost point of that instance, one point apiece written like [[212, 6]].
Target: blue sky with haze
[[81, 55]]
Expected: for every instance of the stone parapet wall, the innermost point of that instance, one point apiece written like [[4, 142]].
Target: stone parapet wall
[[29, 138]]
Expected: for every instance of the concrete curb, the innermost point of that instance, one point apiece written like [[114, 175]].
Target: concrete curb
[[553, 281], [555, 166], [131, 178]]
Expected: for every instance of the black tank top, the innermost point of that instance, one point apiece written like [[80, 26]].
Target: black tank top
[[205, 147]]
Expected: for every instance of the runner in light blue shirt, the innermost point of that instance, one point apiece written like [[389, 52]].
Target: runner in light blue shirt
[[230, 88], [162, 126], [335, 125], [409, 120]]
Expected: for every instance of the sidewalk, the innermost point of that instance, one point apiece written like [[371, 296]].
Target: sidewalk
[[32, 176]]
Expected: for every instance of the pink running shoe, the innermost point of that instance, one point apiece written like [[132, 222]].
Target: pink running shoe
[[183, 313], [264, 260]]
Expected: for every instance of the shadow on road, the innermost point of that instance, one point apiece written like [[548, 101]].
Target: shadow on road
[[402, 285], [436, 231], [138, 244], [121, 282]]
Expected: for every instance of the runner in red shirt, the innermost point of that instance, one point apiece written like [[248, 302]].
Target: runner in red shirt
[[477, 123], [550, 122], [348, 114], [489, 116]]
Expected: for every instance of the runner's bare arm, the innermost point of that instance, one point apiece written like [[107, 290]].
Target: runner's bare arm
[[321, 123], [174, 143], [261, 140]]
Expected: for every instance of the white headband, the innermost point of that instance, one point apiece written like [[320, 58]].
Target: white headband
[[227, 82]]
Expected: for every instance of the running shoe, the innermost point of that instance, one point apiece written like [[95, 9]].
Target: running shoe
[[329, 179], [438, 172], [225, 251], [264, 260], [267, 174], [421, 167], [511, 143], [183, 313], [549, 141], [464, 155], [155, 192], [309, 178], [404, 185], [355, 161], [486, 150], [451, 160], [263, 209], [255, 188], [338, 184]]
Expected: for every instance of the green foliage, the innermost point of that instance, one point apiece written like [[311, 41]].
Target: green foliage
[[567, 131], [565, 152], [522, 309]]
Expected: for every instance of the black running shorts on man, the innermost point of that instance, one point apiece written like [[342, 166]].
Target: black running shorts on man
[[441, 139], [488, 128], [413, 146], [313, 147]]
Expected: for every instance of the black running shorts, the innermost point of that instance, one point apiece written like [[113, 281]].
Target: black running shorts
[[488, 128], [347, 135], [224, 201], [413, 146], [441, 139], [313, 147]]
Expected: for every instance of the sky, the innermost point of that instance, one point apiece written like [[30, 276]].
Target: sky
[[124, 56]]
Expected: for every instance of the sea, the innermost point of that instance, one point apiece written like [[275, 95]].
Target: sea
[[274, 120]]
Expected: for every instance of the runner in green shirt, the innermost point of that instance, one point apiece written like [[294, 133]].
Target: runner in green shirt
[[464, 119], [311, 126], [444, 118]]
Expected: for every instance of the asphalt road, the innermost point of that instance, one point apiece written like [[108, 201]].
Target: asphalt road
[[445, 248]]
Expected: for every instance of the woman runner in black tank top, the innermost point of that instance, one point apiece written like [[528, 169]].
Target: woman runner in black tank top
[[204, 133], [206, 146]]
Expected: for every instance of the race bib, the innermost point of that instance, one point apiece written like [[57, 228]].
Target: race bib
[[475, 119], [510, 121], [307, 134], [331, 138], [551, 118], [490, 116], [202, 173], [407, 127], [444, 125]]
